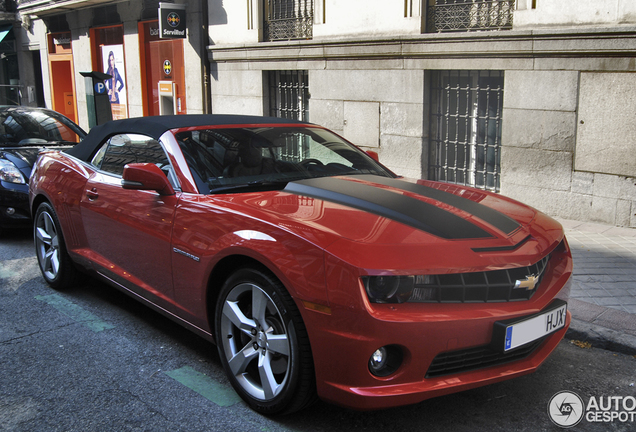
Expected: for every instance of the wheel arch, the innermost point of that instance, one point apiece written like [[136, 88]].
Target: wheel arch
[[304, 387], [299, 267], [223, 269], [36, 201]]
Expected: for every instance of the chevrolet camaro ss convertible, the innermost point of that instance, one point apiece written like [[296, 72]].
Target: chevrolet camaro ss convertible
[[316, 271]]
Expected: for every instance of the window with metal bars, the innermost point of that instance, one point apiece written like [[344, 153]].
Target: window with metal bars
[[470, 15], [288, 19], [289, 98], [465, 122]]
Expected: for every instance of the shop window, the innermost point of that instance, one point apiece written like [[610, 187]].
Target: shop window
[[162, 72], [61, 71], [107, 46]]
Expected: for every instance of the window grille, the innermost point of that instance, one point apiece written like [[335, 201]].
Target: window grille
[[465, 121], [470, 15], [288, 19], [289, 98]]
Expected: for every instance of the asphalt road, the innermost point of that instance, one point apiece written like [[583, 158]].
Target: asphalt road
[[92, 359]]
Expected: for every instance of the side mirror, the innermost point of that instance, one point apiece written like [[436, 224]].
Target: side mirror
[[374, 155], [146, 176]]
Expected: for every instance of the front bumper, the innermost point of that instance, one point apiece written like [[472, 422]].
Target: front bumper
[[410, 384], [14, 204], [344, 340]]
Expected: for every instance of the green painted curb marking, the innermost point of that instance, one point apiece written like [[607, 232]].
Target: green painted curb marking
[[5, 273], [75, 312], [204, 385]]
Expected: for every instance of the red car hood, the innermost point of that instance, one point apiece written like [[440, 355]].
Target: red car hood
[[382, 223]]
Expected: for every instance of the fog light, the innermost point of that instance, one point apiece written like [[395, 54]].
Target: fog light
[[10, 211], [385, 360], [378, 359]]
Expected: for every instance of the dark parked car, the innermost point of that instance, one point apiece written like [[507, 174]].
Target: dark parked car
[[24, 131]]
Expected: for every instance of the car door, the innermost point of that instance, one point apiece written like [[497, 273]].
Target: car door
[[129, 231]]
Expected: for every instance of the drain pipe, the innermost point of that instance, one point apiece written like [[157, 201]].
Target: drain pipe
[[205, 62]]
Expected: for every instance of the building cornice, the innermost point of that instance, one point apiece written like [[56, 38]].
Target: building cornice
[[53, 7], [543, 43]]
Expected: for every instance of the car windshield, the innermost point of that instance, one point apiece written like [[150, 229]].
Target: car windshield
[[232, 158], [22, 128]]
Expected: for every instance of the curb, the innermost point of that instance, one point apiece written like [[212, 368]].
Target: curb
[[602, 337]]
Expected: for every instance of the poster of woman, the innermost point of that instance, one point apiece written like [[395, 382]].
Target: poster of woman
[[113, 59]]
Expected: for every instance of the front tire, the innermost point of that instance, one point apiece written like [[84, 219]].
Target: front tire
[[263, 344], [55, 263]]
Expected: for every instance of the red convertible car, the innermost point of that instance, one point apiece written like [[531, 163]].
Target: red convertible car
[[315, 270]]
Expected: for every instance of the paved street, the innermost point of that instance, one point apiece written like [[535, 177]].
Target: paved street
[[92, 359]]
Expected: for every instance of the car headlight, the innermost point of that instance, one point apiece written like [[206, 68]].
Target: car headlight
[[10, 173], [388, 289], [398, 289]]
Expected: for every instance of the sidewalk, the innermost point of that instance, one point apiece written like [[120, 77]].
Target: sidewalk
[[603, 295]]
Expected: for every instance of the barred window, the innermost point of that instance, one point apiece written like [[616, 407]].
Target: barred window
[[289, 94], [470, 15], [289, 98], [465, 121], [288, 19]]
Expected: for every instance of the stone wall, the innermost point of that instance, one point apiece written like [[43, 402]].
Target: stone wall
[[568, 135], [573, 13], [568, 144], [379, 110]]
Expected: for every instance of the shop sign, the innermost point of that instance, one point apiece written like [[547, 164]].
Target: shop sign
[[172, 21]]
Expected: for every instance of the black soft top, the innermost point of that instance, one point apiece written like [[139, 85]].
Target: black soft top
[[156, 126]]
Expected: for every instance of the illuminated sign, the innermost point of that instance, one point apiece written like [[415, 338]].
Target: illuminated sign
[[172, 21]]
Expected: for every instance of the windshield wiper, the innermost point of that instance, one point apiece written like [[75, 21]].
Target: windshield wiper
[[253, 186]]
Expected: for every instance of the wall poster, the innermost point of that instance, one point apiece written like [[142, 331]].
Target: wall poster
[[113, 64]]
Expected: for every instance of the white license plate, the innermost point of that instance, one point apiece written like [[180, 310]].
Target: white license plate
[[531, 329]]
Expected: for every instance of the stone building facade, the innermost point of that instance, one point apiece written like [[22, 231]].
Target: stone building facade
[[533, 98]]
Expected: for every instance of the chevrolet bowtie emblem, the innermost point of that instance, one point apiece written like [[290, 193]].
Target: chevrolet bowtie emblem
[[528, 283]]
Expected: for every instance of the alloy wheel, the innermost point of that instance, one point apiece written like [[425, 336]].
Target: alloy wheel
[[256, 342], [47, 245]]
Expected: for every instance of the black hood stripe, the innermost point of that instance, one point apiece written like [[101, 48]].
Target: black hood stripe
[[400, 208], [499, 220]]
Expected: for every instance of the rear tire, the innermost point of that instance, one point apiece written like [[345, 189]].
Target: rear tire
[[263, 344], [55, 264]]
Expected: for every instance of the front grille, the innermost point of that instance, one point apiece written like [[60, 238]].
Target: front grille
[[488, 286], [476, 358]]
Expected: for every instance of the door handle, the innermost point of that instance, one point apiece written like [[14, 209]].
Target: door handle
[[92, 194]]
